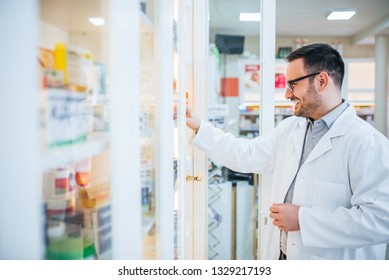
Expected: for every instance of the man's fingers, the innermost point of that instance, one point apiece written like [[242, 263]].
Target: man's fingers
[[275, 209], [189, 112], [272, 215]]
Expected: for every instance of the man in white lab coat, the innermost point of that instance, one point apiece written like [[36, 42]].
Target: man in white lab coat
[[330, 168]]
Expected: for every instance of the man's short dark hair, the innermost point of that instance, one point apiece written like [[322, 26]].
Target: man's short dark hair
[[321, 57]]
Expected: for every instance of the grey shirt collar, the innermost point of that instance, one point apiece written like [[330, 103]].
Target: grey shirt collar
[[331, 117]]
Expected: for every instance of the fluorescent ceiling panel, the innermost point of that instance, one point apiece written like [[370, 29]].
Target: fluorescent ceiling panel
[[98, 21], [250, 17], [341, 15]]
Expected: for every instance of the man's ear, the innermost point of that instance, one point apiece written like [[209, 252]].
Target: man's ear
[[323, 80]]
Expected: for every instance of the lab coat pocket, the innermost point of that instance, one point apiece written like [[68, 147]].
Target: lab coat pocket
[[330, 194]]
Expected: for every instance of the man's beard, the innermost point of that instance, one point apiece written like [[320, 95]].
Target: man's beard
[[309, 104]]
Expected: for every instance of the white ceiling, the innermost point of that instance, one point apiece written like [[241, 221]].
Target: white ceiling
[[72, 15], [297, 18], [305, 18]]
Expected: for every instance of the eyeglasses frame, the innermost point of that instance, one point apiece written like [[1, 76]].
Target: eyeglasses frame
[[290, 84]]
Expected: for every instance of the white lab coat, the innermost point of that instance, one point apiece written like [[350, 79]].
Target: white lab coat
[[342, 187]]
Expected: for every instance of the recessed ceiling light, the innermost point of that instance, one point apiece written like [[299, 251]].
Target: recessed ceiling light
[[250, 17], [98, 21], [341, 15]]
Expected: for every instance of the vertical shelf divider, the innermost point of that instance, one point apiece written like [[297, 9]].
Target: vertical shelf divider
[[165, 184], [125, 157], [21, 206]]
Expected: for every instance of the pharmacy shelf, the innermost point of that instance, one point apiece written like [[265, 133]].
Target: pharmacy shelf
[[253, 113], [97, 143], [367, 103]]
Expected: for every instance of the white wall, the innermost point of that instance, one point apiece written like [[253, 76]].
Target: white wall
[[50, 35]]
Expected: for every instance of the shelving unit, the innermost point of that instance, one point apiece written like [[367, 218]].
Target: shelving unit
[[115, 192], [249, 120], [96, 144], [76, 103]]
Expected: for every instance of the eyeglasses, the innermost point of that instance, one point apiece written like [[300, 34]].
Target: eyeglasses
[[290, 84]]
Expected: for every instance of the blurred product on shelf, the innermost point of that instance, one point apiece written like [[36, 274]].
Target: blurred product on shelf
[[73, 98], [280, 81], [78, 216], [57, 209], [249, 120], [101, 116], [94, 196], [175, 171], [147, 120], [77, 67], [99, 91], [64, 122], [83, 172], [252, 76], [145, 199], [147, 194], [217, 115], [283, 52], [146, 154], [59, 183]]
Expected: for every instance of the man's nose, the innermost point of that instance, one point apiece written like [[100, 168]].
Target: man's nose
[[288, 94]]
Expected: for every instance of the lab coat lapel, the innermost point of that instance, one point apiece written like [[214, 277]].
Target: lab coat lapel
[[323, 146], [294, 155], [338, 129], [298, 140]]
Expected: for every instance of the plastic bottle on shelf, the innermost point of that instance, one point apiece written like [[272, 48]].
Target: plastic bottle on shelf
[[83, 172], [60, 58]]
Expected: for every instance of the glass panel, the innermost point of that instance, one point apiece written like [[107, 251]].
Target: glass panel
[[177, 156], [74, 116], [233, 105], [182, 161], [148, 132]]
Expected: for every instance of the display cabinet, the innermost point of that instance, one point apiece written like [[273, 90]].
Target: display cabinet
[[182, 97], [91, 94], [149, 134], [237, 207], [72, 206], [74, 105], [164, 96]]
